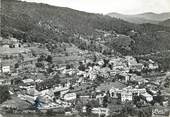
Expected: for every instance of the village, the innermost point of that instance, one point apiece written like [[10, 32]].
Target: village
[[81, 82]]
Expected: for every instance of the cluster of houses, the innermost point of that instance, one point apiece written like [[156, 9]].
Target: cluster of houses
[[109, 82], [12, 53]]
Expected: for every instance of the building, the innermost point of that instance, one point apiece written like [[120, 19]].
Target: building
[[147, 96], [136, 67], [5, 82], [126, 96], [28, 81], [160, 112], [70, 96], [8, 66], [131, 60], [153, 66], [101, 111], [133, 65], [6, 69]]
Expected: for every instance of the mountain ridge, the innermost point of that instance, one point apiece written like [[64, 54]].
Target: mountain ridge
[[148, 17]]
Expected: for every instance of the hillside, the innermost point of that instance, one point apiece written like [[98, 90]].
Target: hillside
[[149, 17], [43, 23], [58, 17], [165, 23]]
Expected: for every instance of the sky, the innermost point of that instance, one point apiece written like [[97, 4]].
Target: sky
[[107, 6]]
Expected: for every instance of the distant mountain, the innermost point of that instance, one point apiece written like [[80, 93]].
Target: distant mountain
[[43, 23], [142, 18], [165, 23]]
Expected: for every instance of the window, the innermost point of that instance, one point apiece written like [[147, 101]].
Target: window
[[112, 94]]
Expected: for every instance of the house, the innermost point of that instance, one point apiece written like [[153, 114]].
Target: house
[[147, 96], [133, 65], [138, 79], [5, 82], [8, 65], [46, 98], [126, 96], [149, 64], [137, 91], [160, 111], [101, 62], [101, 111], [123, 77], [131, 60], [70, 96], [153, 66], [5, 46], [84, 99], [60, 90], [118, 63], [136, 67], [6, 69], [126, 93], [28, 81]]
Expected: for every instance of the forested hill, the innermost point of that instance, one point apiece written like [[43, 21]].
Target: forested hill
[[44, 23], [165, 23], [59, 17]]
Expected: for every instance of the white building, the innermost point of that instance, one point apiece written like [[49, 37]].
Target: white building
[[148, 97], [126, 96], [101, 111], [70, 96], [153, 66], [131, 60], [6, 69], [127, 93]]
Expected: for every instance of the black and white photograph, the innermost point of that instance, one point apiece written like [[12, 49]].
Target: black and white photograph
[[84, 58]]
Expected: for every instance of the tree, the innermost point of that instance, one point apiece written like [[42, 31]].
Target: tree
[[4, 94], [49, 70], [105, 101], [16, 65], [56, 79], [106, 61], [41, 58], [68, 66], [81, 66], [39, 65], [88, 108], [95, 103], [49, 59]]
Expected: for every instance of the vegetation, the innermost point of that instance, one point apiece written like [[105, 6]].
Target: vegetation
[[32, 22], [4, 94], [165, 23]]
